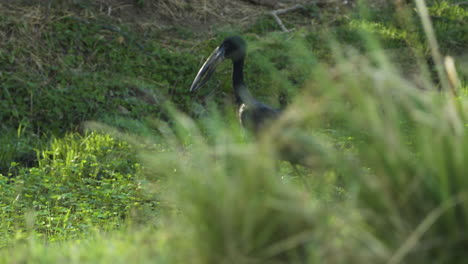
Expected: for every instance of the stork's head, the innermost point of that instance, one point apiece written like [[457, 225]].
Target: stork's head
[[233, 48]]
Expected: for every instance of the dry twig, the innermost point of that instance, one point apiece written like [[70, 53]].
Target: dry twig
[[275, 14]]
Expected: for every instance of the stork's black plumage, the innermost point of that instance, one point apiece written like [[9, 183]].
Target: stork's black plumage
[[253, 114]]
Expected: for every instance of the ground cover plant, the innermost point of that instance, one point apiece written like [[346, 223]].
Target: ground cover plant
[[162, 176]]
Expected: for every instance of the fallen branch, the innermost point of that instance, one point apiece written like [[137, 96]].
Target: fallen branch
[[278, 12], [275, 14]]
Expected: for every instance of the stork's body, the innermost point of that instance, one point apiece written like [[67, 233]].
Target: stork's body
[[253, 115]]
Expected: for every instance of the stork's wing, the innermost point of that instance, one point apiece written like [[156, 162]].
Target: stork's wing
[[256, 117]]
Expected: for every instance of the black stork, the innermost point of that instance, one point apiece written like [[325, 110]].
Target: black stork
[[253, 114]]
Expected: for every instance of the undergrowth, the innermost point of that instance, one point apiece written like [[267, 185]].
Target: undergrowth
[[80, 182]]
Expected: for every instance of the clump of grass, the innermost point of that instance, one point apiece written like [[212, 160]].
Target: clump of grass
[[227, 203], [414, 148]]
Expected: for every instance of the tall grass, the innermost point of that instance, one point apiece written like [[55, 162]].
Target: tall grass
[[404, 177], [415, 150], [396, 193]]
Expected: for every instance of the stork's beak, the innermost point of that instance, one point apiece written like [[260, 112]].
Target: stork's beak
[[208, 68]]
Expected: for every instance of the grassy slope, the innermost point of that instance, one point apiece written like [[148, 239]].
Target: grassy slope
[[64, 64]]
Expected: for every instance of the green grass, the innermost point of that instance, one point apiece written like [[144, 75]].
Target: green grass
[[387, 150], [80, 182], [71, 71]]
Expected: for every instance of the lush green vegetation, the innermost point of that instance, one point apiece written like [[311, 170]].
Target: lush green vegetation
[[159, 176]]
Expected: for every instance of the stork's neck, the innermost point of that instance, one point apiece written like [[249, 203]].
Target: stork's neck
[[238, 73], [243, 95]]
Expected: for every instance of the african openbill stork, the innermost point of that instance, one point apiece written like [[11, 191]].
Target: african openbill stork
[[253, 114]]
